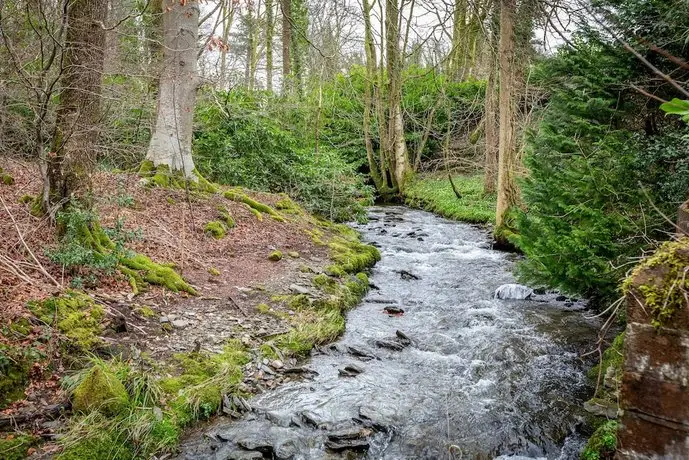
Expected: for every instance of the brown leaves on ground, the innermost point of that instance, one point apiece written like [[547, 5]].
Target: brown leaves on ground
[[171, 223]]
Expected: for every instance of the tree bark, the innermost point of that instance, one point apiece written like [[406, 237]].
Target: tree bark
[[269, 44], [398, 155], [171, 141], [508, 193], [286, 7], [491, 122], [73, 156]]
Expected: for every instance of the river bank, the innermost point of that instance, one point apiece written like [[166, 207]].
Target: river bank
[[263, 283]]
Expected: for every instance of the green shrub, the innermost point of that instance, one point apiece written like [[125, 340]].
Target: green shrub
[[253, 140], [595, 183]]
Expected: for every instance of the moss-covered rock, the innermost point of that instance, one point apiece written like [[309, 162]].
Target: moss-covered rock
[[293, 254], [226, 217], [100, 390], [213, 271], [215, 228], [667, 288], [275, 256]]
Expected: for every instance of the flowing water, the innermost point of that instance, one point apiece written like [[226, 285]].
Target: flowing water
[[481, 378]]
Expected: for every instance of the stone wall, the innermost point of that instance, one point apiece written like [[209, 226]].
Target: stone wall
[[655, 383]]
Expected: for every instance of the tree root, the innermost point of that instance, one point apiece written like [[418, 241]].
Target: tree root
[[161, 176], [138, 268], [240, 197]]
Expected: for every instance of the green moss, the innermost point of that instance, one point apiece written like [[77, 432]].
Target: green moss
[[263, 308], [285, 204], [213, 271], [215, 228], [14, 373], [258, 207], [202, 380], [15, 447], [144, 269], [103, 445], [100, 390], [275, 256], [147, 169], [612, 357], [26, 199], [145, 311], [603, 442], [435, 194], [293, 254], [37, 207], [226, 217], [6, 178], [666, 293], [325, 283], [75, 314], [351, 256], [161, 176], [20, 326]]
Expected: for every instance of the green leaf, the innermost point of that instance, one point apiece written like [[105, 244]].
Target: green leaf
[[676, 107]]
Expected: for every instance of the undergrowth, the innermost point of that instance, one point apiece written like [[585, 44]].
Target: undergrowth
[[131, 410], [87, 249], [435, 194]]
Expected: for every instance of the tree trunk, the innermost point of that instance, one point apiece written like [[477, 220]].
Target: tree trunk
[[73, 155], [491, 123], [170, 144], [508, 193], [370, 50], [227, 12], [269, 44], [397, 154], [250, 70], [286, 7]]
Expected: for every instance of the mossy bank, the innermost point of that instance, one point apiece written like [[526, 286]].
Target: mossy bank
[[138, 372]]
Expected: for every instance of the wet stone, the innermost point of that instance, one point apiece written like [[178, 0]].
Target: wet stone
[[390, 310], [361, 354], [390, 345]]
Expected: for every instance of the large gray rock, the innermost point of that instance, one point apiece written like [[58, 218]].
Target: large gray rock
[[513, 292]]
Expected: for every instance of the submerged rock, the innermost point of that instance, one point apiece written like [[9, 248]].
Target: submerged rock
[[513, 291]]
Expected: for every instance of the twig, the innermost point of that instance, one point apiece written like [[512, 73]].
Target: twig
[[26, 246], [239, 307]]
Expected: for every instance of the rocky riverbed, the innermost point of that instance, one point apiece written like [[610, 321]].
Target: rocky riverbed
[[431, 366]]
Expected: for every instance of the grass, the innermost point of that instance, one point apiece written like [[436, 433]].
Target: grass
[[434, 193], [150, 410]]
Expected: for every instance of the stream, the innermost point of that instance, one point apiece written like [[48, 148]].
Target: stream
[[457, 375]]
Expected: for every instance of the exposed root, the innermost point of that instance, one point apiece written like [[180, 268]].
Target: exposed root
[[240, 197]]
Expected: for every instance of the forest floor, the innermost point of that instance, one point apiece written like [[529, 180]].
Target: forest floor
[[265, 286]]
